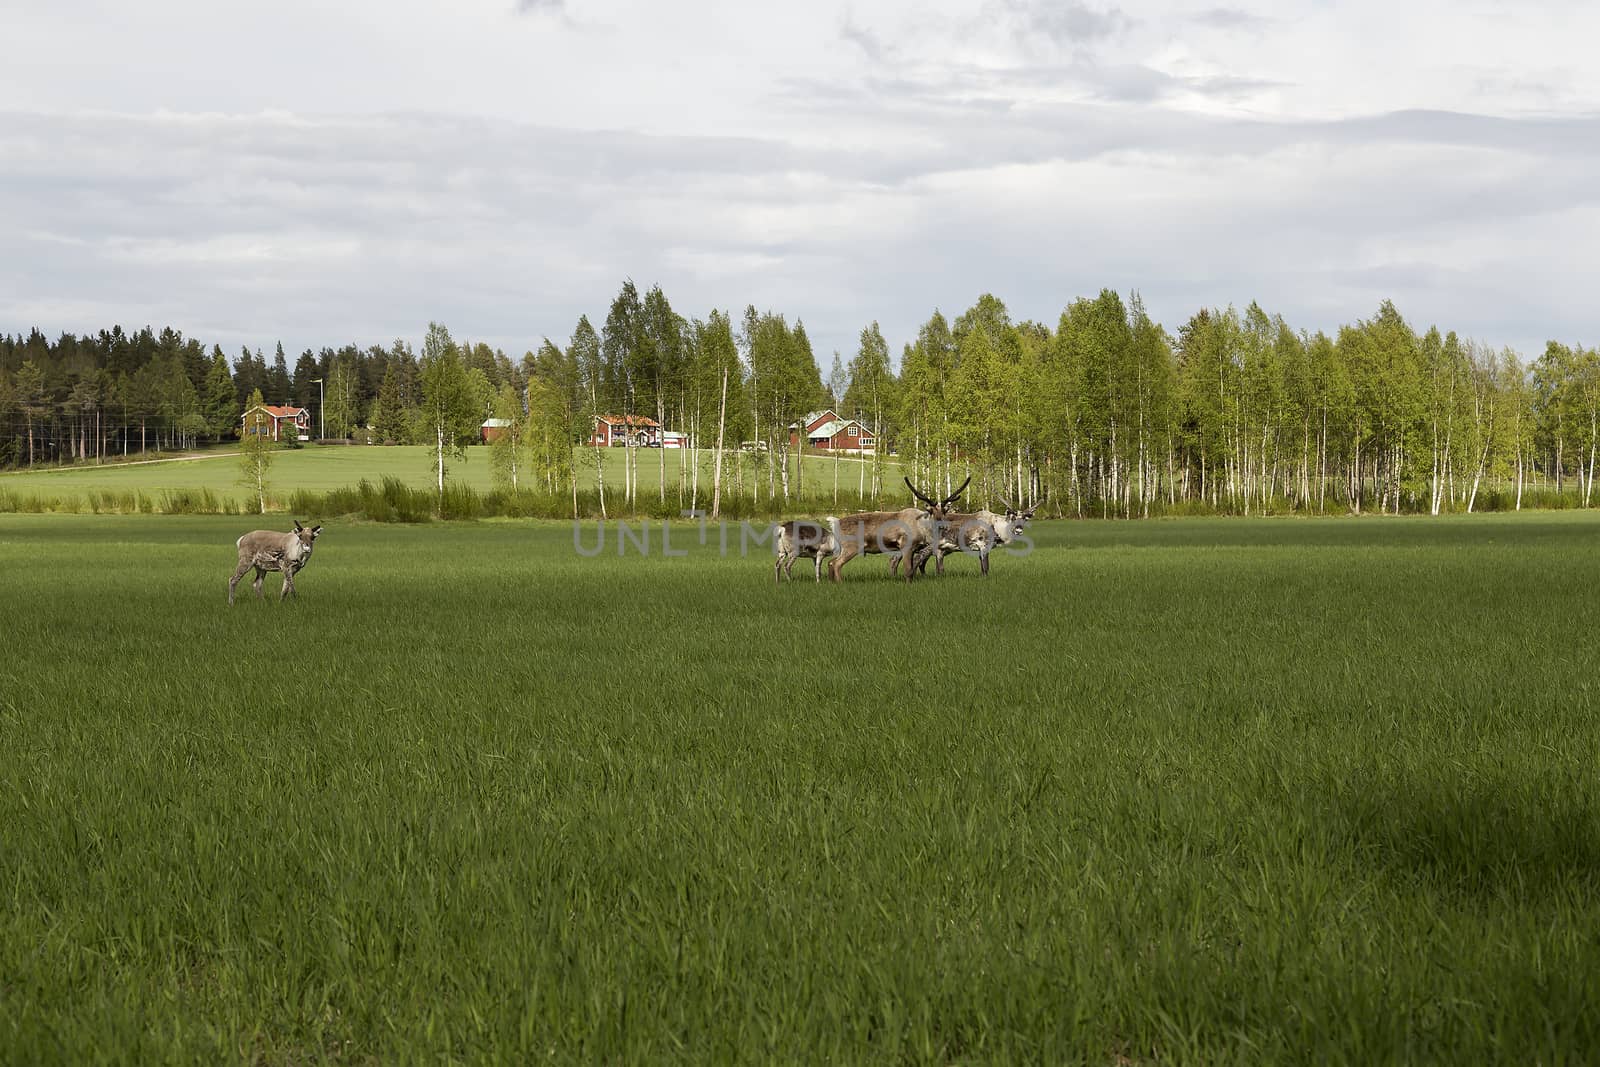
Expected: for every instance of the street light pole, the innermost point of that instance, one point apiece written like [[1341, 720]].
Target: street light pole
[[322, 410]]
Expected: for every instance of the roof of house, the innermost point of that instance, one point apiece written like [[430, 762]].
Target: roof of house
[[496, 424], [813, 416], [278, 411], [838, 426], [631, 420]]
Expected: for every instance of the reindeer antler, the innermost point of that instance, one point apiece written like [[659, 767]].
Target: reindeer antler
[[955, 494], [918, 494]]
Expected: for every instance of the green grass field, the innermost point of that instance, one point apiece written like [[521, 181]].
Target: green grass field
[[1198, 791], [321, 468]]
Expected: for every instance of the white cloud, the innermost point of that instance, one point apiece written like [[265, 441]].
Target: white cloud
[[502, 169]]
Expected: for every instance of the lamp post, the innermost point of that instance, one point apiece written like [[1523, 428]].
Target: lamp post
[[322, 410]]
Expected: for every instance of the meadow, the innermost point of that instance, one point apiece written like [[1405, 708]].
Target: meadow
[[321, 468], [1199, 791]]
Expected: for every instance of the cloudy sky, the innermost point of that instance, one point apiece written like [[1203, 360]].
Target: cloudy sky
[[322, 173]]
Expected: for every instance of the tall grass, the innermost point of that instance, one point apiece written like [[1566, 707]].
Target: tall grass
[[111, 502], [391, 500], [1188, 792]]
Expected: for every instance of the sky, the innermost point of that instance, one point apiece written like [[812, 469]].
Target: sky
[[322, 174]]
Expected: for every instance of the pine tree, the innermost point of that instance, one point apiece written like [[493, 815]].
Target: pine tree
[[29, 392], [221, 407], [391, 419], [278, 386], [306, 373]]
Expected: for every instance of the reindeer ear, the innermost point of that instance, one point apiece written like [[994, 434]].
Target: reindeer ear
[[315, 530]]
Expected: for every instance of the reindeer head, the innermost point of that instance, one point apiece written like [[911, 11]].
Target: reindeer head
[[1011, 524], [940, 509], [307, 537]]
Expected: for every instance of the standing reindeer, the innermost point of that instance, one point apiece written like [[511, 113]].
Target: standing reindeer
[[802, 537], [268, 550], [900, 533], [978, 532]]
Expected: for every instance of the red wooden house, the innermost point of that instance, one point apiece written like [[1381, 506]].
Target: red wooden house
[[273, 420], [826, 432], [615, 430]]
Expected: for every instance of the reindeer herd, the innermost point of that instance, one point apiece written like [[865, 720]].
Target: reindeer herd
[[910, 536]]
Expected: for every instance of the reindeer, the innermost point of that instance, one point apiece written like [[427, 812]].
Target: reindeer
[[900, 532], [979, 532], [268, 550], [802, 537]]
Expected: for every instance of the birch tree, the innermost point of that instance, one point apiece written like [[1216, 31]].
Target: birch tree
[[256, 450], [508, 452], [584, 355], [449, 410]]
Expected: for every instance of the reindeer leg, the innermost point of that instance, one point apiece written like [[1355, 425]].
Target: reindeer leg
[[845, 555], [777, 571], [983, 562], [261, 576], [818, 559], [288, 583], [233, 583]]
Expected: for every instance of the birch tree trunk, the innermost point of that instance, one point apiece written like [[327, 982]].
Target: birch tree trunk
[[599, 480], [716, 475], [694, 477]]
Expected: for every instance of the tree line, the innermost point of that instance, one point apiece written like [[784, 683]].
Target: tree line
[[1105, 412]]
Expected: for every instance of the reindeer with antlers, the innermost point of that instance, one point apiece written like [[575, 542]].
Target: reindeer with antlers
[[900, 533], [979, 532]]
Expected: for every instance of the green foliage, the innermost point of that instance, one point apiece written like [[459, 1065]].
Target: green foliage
[[1102, 412], [451, 411], [508, 452], [340, 399], [391, 418], [221, 407], [256, 451]]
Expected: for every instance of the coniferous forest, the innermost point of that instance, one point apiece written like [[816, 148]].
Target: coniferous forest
[[1102, 413]]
